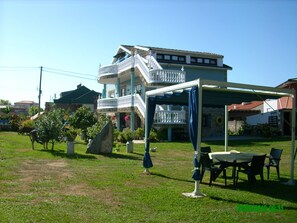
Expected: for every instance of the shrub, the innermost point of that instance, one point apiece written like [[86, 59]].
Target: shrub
[[70, 135], [82, 119], [50, 127], [139, 133]]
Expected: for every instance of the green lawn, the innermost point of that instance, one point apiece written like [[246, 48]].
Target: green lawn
[[46, 186]]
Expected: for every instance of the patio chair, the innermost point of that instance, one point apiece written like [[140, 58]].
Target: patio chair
[[206, 149], [274, 160], [208, 165], [254, 169]]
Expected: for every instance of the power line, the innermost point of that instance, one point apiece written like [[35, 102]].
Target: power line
[[69, 72], [69, 75]]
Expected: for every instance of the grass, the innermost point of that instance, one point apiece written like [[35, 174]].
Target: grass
[[49, 186]]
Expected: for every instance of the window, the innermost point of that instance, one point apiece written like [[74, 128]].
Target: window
[[199, 60], [206, 61], [160, 57], [181, 58], [193, 60], [213, 62], [166, 57], [175, 58]]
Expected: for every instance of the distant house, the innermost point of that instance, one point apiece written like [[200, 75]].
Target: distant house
[[23, 106], [277, 113], [241, 111], [81, 96]]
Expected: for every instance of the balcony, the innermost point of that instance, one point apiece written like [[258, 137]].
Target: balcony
[[157, 75], [167, 76], [161, 117], [170, 117]]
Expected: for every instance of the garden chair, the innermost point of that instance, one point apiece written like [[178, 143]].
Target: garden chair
[[208, 165], [206, 149], [254, 169], [274, 160]]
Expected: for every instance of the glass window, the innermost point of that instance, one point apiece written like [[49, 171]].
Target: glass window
[[199, 60], [213, 62], [167, 57], [174, 57], [206, 60], [159, 57], [193, 60], [182, 59]]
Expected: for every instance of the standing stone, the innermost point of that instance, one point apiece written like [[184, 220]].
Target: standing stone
[[103, 142]]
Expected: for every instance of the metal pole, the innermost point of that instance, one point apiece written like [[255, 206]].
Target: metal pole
[[39, 96], [226, 128]]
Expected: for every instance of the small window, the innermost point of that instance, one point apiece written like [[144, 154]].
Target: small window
[[166, 57], [160, 57], [181, 59], [199, 60], [193, 60], [213, 62], [175, 58], [206, 61]]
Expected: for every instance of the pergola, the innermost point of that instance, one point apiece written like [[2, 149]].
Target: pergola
[[208, 93]]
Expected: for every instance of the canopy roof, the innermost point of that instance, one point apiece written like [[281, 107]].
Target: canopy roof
[[200, 93], [215, 93]]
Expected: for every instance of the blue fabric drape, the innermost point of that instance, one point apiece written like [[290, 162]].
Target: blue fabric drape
[[147, 162], [193, 128]]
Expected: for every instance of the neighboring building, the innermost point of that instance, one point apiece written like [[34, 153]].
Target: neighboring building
[[82, 96], [241, 111], [137, 69], [22, 107], [278, 112]]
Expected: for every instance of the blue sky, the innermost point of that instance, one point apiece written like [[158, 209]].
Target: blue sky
[[257, 38]]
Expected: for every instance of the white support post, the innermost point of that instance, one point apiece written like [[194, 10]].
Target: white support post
[[226, 128], [293, 129], [196, 193]]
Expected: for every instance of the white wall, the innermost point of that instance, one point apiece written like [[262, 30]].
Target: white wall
[[270, 105]]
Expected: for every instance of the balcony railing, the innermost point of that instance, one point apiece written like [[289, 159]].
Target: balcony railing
[[167, 76], [157, 76], [161, 117], [170, 117]]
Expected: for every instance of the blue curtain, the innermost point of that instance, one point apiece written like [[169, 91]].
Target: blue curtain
[[147, 162], [193, 128]]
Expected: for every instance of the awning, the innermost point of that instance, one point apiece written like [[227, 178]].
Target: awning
[[206, 93]]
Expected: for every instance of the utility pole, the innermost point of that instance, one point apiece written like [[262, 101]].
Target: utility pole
[[39, 96]]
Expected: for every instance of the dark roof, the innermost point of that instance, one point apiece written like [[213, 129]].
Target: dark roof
[[132, 49], [288, 82], [81, 95]]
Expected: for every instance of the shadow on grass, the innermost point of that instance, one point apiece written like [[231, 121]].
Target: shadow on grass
[[269, 188], [61, 153], [171, 178], [123, 156]]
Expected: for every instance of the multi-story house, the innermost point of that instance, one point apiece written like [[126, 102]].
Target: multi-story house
[[137, 69]]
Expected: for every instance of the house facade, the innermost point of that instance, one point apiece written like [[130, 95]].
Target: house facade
[[81, 96], [137, 69], [277, 113]]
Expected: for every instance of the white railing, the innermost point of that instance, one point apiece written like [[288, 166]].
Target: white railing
[[153, 63], [142, 67], [156, 75], [125, 65], [105, 103], [161, 116], [170, 117], [108, 70], [167, 76], [139, 103]]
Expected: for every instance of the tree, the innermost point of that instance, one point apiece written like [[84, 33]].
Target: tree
[[4, 102], [82, 119], [33, 110], [50, 127]]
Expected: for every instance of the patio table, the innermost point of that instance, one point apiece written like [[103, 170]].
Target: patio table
[[232, 158]]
